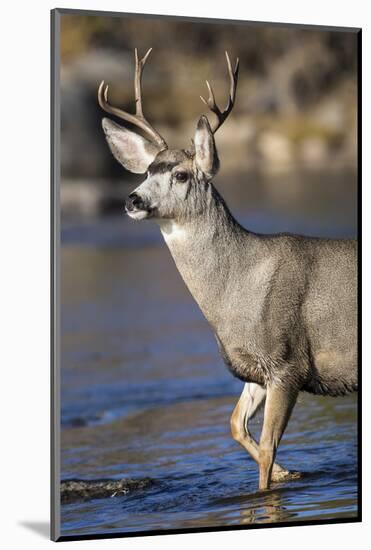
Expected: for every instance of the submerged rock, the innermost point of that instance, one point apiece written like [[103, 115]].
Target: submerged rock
[[73, 490]]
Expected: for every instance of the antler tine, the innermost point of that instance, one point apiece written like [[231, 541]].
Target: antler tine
[[139, 64], [211, 103], [138, 119]]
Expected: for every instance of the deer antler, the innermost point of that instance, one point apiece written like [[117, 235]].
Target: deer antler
[[211, 103], [138, 119]]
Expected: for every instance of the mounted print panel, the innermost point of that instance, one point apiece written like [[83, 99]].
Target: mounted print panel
[[204, 282]]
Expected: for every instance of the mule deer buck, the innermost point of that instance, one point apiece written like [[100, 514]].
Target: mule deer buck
[[283, 307]]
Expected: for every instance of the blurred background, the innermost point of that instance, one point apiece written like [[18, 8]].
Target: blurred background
[[144, 391], [295, 109]]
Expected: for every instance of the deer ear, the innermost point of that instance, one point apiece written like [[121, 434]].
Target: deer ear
[[206, 154], [133, 151]]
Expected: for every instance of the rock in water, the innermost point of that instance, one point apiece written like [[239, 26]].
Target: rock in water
[[73, 490]]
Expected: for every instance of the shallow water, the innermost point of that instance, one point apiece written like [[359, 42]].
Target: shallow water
[[145, 393]]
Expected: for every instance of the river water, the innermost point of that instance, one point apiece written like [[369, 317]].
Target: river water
[[145, 393]]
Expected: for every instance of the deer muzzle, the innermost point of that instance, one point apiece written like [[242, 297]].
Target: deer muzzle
[[137, 207]]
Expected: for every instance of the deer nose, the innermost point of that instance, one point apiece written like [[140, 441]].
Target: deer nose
[[134, 200]]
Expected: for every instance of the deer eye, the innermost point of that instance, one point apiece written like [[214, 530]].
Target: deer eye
[[181, 176]]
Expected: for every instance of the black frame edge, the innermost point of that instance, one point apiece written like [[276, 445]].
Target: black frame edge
[[192, 19], [359, 286], [54, 276], [215, 529]]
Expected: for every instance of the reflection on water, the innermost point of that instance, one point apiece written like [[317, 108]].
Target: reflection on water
[[145, 394]]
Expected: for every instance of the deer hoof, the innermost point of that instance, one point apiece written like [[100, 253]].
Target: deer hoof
[[285, 475]]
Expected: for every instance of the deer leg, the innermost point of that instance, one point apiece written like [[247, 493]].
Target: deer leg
[[251, 400], [278, 407]]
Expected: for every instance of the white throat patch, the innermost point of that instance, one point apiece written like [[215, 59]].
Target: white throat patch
[[171, 231]]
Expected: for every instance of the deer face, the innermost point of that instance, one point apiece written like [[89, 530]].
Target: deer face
[[177, 180]]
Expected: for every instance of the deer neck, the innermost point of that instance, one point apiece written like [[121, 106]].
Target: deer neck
[[206, 251]]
